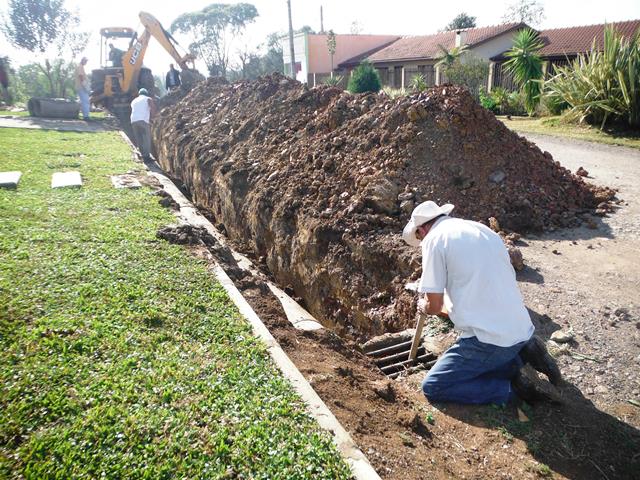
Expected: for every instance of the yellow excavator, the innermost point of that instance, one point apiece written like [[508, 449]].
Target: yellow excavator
[[115, 85]]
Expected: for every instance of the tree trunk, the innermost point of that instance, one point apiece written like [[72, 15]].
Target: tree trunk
[[47, 73]]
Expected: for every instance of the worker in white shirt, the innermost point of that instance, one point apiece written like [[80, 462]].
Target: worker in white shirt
[[143, 109], [82, 87], [466, 272]]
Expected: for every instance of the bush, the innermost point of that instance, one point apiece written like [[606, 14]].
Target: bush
[[601, 85], [552, 105], [470, 71], [365, 78], [393, 92], [418, 83], [487, 101], [334, 81], [501, 101]]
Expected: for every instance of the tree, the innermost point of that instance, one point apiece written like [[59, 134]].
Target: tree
[[365, 78], [473, 72], [530, 12], [525, 65], [213, 30], [331, 46], [273, 60], [461, 21], [449, 57], [48, 30]]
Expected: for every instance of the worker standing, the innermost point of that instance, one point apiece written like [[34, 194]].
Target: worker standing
[[82, 87], [466, 272], [143, 109], [172, 79], [4, 81]]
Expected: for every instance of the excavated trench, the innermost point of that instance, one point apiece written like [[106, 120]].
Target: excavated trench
[[316, 184]]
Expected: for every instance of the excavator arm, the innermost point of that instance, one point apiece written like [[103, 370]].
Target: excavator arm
[[132, 59]]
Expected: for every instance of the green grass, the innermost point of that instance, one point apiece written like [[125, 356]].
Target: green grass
[[557, 127], [121, 355]]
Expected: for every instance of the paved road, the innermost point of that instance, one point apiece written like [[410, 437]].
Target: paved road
[[53, 124]]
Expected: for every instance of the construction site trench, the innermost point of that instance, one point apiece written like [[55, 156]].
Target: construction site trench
[[315, 185]]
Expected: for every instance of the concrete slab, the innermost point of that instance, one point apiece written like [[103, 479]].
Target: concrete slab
[[9, 179], [66, 179], [125, 180]]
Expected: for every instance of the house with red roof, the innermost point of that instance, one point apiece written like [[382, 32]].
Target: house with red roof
[[399, 61], [563, 45]]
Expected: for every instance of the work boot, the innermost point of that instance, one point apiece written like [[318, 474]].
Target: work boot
[[535, 354], [526, 389]]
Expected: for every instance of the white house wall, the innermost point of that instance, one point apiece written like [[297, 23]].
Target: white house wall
[[494, 46], [301, 55]]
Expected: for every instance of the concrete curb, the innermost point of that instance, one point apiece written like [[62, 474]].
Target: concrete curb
[[360, 466]]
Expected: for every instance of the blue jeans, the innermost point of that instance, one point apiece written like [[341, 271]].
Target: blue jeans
[[84, 102], [473, 372]]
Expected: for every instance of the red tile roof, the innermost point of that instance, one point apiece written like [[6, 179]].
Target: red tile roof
[[572, 40], [427, 47]]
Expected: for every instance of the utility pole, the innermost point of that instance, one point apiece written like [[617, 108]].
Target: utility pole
[[292, 51], [321, 21]]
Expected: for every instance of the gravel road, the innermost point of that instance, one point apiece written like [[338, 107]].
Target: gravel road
[[588, 280]]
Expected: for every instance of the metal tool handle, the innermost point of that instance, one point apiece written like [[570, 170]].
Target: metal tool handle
[[417, 336]]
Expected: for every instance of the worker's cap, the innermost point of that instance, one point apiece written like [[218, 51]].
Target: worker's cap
[[422, 214], [143, 91]]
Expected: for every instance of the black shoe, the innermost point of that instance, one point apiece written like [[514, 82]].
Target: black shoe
[[535, 353], [527, 390]]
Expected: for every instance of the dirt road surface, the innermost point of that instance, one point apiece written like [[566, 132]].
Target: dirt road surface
[[588, 280]]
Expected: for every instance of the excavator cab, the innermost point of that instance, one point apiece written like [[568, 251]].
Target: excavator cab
[[121, 38]]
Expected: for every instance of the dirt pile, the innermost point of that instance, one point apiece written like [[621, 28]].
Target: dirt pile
[[317, 183]]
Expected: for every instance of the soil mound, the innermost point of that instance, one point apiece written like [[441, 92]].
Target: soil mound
[[318, 183]]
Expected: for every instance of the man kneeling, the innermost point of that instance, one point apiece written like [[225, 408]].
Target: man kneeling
[[466, 271]]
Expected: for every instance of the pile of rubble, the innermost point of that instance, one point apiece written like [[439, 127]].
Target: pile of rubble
[[318, 183]]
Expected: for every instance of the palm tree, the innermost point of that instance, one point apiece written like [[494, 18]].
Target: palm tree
[[525, 65], [449, 57]]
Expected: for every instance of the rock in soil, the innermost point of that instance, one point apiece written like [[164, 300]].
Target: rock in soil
[[562, 336]]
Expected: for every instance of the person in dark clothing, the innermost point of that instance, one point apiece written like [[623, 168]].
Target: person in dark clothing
[[115, 55], [5, 96], [172, 80]]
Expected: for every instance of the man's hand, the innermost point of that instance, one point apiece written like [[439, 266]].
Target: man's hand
[[431, 304]]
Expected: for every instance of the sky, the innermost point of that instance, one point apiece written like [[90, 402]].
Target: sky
[[403, 17]]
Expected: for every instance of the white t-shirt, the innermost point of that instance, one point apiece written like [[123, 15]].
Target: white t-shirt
[[140, 109], [469, 263]]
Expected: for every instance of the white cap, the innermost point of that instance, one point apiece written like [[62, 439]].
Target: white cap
[[422, 214]]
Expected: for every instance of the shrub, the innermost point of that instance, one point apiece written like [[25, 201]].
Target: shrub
[[487, 101], [470, 71], [601, 85], [418, 83], [334, 81], [393, 92], [365, 78], [552, 105]]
